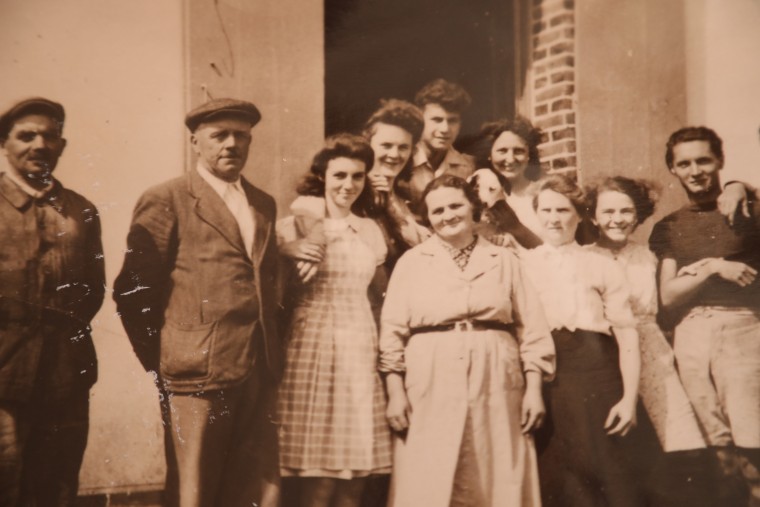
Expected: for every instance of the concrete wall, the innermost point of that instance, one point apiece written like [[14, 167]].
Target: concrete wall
[[646, 68], [272, 53], [117, 67], [127, 72], [723, 78], [630, 83]]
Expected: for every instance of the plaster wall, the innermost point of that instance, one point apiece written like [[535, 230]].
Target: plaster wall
[[630, 89], [117, 67], [723, 79]]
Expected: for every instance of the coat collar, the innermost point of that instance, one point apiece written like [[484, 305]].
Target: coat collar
[[484, 257], [12, 193], [20, 199], [211, 209]]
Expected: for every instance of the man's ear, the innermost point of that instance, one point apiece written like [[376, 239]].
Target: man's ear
[[194, 143], [64, 142]]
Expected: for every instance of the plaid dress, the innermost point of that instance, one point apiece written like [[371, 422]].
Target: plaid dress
[[332, 403]]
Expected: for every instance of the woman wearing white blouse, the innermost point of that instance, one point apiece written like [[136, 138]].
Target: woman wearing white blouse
[[583, 458]]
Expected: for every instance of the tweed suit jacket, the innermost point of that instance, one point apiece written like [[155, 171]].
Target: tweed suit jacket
[[195, 306]]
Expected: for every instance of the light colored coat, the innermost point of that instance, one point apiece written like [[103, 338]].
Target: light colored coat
[[462, 382]]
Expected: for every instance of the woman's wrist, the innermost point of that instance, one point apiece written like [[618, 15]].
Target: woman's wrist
[[630, 397], [394, 384], [533, 381]]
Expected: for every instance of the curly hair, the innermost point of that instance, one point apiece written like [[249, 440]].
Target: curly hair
[[398, 113], [521, 127], [451, 181], [688, 134], [566, 186], [338, 146], [643, 193], [450, 96]]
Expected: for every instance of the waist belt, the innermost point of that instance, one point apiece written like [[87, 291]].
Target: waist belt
[[465, 325]]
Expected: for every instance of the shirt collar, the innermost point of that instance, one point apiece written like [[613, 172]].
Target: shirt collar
[[550, 250], [27, 188], [452, 157], [419, 158], [19, 198], [219, 185], [314, 208]]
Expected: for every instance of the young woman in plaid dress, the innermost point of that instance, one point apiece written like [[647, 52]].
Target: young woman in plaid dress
[[331, 406]]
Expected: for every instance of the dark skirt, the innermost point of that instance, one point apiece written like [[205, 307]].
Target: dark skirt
[[579, 464]]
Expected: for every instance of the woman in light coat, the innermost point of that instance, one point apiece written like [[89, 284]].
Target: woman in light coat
[[464, 347]]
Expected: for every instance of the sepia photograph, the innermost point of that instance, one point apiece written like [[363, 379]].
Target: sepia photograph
[[369, 253]]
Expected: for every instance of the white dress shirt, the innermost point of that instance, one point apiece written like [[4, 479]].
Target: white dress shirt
[[234, 197]]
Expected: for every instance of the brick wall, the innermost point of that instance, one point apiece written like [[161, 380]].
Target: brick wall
[[552, 82]]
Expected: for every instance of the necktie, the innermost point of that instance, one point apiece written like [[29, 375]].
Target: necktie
[[237, 203]]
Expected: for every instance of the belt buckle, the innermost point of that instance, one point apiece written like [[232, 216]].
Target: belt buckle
[[463, 325]]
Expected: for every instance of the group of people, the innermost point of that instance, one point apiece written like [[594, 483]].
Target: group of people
[[484, 333]]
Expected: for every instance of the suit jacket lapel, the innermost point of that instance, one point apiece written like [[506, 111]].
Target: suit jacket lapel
[[263, 223], [211, 209]]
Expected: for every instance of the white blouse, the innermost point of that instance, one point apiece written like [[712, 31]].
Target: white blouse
[[640, 267], [579, 288]]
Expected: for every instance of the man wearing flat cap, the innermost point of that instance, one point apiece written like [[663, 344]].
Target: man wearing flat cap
[[196, 295], [52, 283]]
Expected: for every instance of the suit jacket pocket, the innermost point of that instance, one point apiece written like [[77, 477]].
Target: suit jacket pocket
[[186, 350]]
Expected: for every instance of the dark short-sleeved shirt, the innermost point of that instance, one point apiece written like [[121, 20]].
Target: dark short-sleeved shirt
[[696, 232]]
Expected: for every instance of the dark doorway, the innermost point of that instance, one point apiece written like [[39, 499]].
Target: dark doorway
[[377, 49]]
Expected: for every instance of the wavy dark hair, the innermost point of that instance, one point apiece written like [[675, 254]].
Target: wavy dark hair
[[568, 187], [450, 96], [688, 134], [398, 113], [451, 181], [643, 193], [337, 146], [519, 126]]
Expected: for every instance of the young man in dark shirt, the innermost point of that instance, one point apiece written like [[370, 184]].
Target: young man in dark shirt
[[709, 271]]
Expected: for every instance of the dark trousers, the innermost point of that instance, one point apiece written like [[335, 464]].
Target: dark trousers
[[221, 446], [42, 444]]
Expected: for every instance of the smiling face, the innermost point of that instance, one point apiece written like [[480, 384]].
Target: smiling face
[[392, 146], [344, 181], [509, 155], [615, 216], [697, 167], [441, 127], [450, 214], [33, 147], [558, 217], [222, 146]]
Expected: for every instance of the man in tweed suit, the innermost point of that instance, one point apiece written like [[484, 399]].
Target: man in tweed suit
[[196, 295]]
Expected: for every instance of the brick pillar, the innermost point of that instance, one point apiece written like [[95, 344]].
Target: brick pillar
[[552, 83]]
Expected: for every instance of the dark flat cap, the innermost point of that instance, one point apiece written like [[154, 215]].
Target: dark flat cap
[[221, 108], [34, 105]]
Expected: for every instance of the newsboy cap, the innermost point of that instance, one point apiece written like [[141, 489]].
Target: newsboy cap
[[34, 105], [218, 108]]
